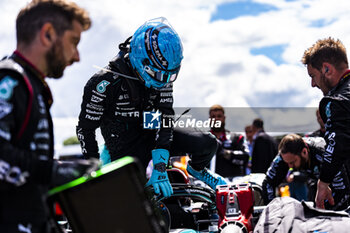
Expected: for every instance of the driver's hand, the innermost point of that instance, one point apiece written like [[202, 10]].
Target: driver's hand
[[159, 178]]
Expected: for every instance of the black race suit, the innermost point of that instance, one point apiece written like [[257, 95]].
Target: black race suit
[[335, 112], [25, 162], [232, 155], [278, 170], [117, 104]]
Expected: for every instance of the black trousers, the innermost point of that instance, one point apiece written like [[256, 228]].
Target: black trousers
[[200, 146]]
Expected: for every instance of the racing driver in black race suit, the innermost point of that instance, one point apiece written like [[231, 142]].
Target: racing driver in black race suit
[[137, 82], [305, 154]]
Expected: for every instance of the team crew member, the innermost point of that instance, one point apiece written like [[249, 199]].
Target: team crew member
[[120, 98], [327, 65], [304, 155], [264, 147], [232, 155], [48, 32]]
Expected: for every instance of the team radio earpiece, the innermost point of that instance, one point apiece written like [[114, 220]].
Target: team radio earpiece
[[48, 36], [326, 69]]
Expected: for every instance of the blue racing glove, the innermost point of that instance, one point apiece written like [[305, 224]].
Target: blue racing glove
[[105, 157], [159, 178]]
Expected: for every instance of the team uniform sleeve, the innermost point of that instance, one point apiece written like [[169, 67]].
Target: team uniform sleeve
[[17, 165], [93, 107], [335, 114], [240, 150], [165, 105], [237, 151], [274, 176]]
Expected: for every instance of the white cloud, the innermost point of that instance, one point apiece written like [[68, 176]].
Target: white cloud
[[217, 65]]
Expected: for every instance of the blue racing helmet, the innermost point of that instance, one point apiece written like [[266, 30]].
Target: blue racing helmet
[[156, 53]]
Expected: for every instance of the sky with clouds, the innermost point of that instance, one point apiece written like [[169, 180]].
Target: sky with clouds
[[236, 53]]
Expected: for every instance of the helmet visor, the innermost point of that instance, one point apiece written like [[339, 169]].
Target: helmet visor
[[163, 76]]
